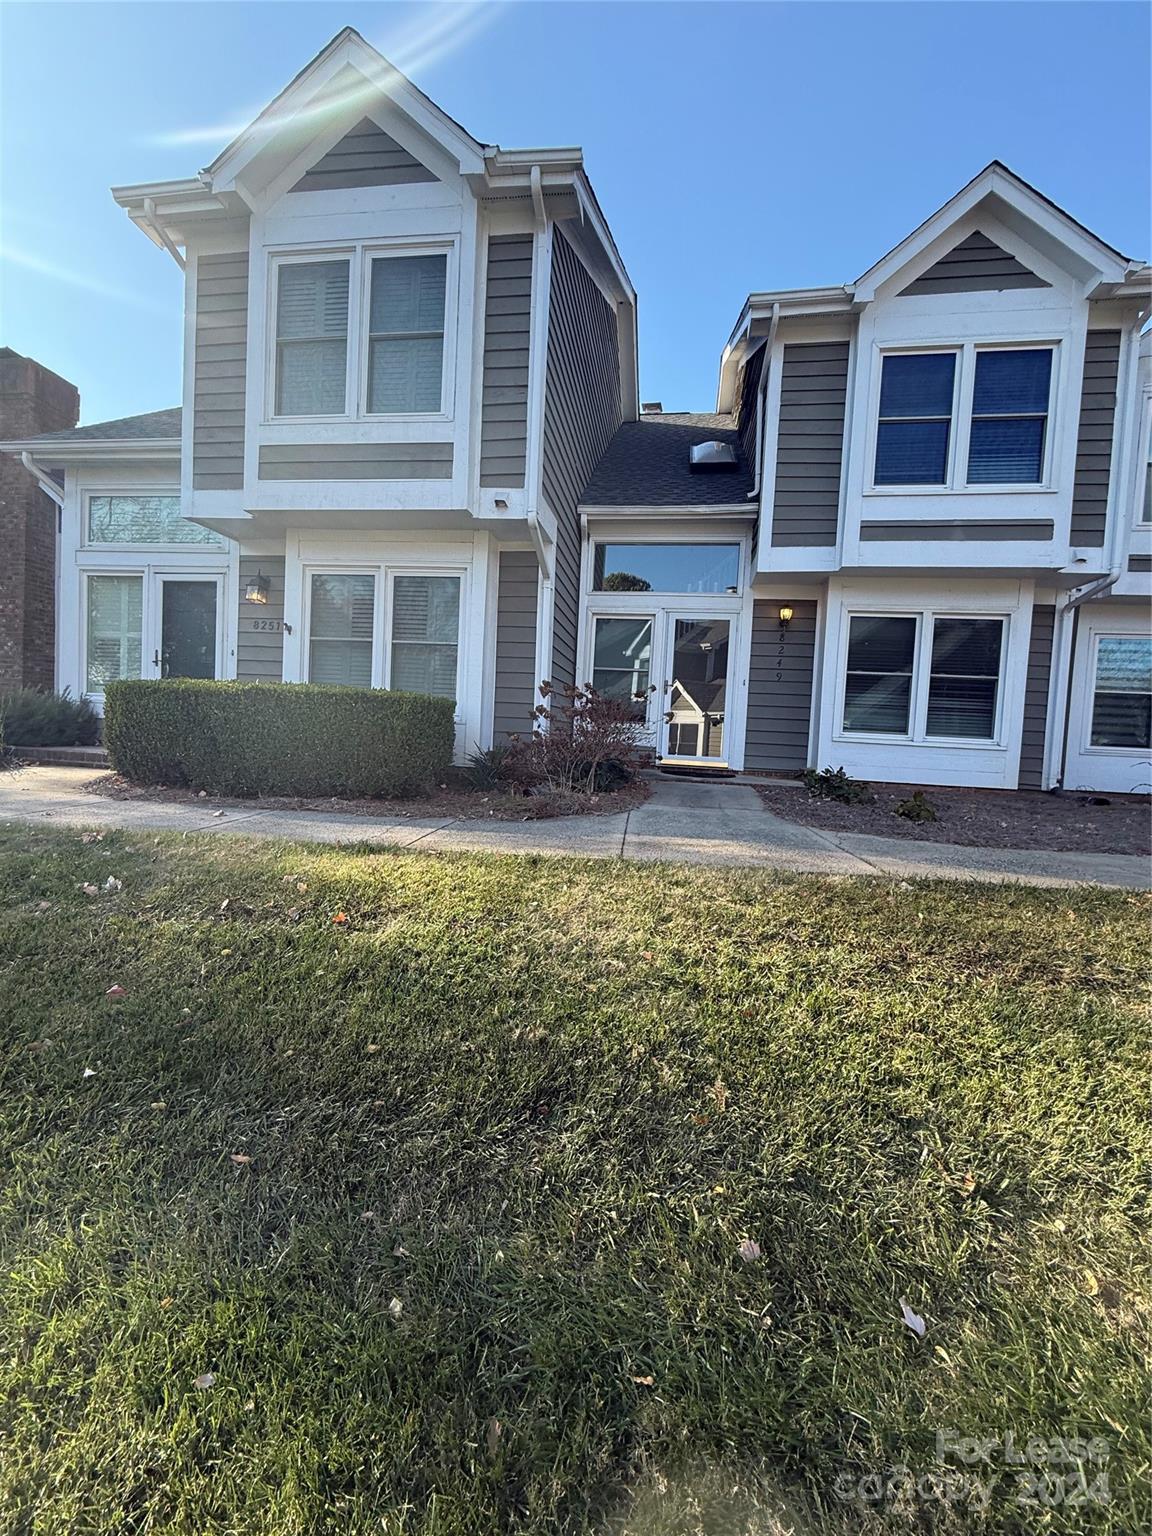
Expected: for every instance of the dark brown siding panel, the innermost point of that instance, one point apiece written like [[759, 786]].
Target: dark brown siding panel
[[581, 412], [780, 689], [810, 445], [1094, 441], [1036, 696], [1140, 563], [507, 341], [220, 362], [974, 531], [365, 157], [516, 680], [974, 266], [260, 652]]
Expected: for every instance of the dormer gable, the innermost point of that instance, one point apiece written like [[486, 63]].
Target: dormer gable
[[975, 265], [365, 157]]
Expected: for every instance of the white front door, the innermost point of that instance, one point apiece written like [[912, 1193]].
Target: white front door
[[694, 690]]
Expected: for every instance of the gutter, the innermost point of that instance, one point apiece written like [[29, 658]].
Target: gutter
[[50, 487]]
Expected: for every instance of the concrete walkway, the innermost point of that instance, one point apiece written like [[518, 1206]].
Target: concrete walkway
[[683, 822]]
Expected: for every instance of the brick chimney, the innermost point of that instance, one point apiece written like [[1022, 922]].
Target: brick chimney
[[32, 400]]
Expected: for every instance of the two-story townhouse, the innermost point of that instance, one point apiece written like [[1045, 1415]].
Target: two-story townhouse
[[919, 546], [405, 350], [914, 539]]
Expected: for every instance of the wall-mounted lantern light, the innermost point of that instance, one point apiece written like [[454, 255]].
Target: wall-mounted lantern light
[[257, 588], [785, 616]]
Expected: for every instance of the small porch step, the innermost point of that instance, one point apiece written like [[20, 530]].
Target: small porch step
[[699, 768], [65, 757]]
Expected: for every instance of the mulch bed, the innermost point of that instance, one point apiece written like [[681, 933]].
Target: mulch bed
[[448, 801], [982, 818]]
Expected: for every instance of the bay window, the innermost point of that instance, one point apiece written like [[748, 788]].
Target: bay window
[[114, 632], [923, 677], [965, 416], [360, 335], [1122, 697]]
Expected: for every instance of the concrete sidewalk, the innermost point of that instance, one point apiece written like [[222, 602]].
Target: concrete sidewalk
[[683, 822]]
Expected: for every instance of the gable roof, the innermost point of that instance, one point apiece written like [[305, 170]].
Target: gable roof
[[153, 437], [647, 465], [153, 425]]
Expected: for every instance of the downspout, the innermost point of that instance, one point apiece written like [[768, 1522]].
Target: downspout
[[540, 222], [55, 494], [161, 233], [533, 472], [761, 393], [44, 481]]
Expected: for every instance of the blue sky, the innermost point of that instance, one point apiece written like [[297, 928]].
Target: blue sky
[[732, 146]]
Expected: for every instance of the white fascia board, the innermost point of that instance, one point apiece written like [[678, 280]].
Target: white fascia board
[[156, 450], [347, 52], [997, 181], [736, 509]]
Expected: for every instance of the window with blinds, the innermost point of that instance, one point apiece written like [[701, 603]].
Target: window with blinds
[[1009, 417], [1122, 700], [113, 642], [878, 681], [916, 393], [965, 678], [340, 630], [312, 338], [425, 634], [406, 334], [143, 520]]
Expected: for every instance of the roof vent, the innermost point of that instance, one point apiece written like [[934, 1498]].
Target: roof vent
[[651, 408], [709, 458]]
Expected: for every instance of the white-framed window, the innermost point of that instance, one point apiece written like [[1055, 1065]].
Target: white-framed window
[[342, 628], [424, 633], [1122, 693], [413, 646], [143, 518], [114, 628], [968, 416], [362, 333], [923, 677], [671, 567]]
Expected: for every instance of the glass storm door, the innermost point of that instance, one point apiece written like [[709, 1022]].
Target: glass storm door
[[696, 690], [187, 642]]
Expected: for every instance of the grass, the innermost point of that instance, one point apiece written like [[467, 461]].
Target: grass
[[448, 1197]]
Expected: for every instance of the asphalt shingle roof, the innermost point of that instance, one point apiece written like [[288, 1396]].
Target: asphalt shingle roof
[[647, 465], [135, 429]]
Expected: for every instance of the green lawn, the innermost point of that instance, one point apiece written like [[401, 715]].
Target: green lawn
[[448, 1198]]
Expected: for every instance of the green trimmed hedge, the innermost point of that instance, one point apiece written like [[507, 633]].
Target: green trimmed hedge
[[277, 738]]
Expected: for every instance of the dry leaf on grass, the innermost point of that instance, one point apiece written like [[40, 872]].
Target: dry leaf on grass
[[88, 1072], [395, 1306], [115, 990], [912, 1319], [749, 1250], [241, 1159], [88, 888], [202, 1383], [644, 1381], [112, 884]]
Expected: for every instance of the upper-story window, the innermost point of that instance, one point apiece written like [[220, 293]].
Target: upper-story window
[[361, 335], [964, 416]]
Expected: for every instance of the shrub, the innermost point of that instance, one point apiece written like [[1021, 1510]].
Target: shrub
[[277, 738], [917, 808], [488, 766], [584, 742], [32, 717], [835, 784]]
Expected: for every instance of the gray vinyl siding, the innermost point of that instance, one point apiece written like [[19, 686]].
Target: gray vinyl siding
[[516, 680], [365, 157], [507, 339], [581, 413], [220, 362], [1036, 696], [810, 444], [356, 461], [1094, 439], [918, 531], [260, 653], [975, 265], [780, 679]]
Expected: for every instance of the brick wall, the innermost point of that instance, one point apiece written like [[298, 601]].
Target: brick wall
[[32, 400]]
